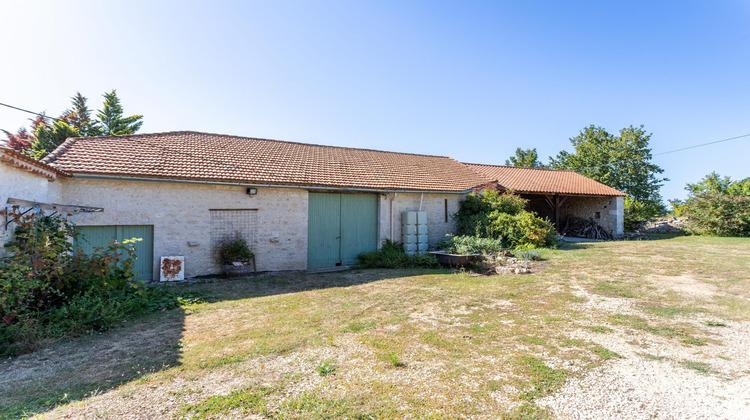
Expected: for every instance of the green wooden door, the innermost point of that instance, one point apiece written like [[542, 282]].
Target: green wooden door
[[323, 230], [359, 226], [92, 237], [144, 249], [340, 227]]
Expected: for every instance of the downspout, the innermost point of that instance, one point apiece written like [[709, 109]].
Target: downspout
[[421, 197], [392, 198]]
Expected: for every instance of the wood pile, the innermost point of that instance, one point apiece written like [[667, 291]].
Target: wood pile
[[582, 228]]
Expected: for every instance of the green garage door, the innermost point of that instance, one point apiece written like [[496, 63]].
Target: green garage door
[[340, 227], [92, 237]]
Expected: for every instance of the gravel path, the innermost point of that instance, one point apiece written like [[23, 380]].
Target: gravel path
[[658, 377]]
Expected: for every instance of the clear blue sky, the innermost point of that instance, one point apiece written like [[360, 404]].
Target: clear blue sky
[[471, 80]]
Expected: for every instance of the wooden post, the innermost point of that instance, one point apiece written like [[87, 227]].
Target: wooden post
[[559, 201], [556, 202]]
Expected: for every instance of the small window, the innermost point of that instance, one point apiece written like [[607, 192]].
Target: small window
[[446, 210], [597, 215]]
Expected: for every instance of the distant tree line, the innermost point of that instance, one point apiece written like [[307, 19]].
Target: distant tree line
[[48, 133]]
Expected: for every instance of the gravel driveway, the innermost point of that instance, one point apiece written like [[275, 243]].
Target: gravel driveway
[[657, 377]]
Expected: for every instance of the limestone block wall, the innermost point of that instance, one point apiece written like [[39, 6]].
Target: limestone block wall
[[433, 204], [180, 215], [610, 211], [22, 184]]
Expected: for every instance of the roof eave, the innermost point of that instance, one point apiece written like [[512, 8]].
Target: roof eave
[[261, 184]]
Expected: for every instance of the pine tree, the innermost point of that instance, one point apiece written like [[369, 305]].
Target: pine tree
[[48, 137], [79, 117], [110, 121]]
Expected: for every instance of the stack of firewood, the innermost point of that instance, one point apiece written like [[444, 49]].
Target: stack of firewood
[[582, 228]]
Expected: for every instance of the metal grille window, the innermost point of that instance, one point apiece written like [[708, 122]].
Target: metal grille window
[[228, 224]]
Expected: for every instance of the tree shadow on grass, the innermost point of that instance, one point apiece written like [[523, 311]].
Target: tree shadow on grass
[[76, 368], [81, 367], [574, 246], [269, 284]]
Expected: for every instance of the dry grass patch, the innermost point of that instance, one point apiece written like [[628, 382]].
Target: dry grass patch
[[394, 343]]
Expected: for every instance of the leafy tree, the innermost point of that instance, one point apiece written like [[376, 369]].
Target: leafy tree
[[20, 141], [110, 121], [739, 188], [711, 183], [621, 161], [23, 140], [714, 183], [525, 159], [679, 207]]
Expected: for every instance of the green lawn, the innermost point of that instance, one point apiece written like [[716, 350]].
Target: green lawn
[[388, 343]]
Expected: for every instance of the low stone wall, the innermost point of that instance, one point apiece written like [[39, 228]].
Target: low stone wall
[[607, 212]]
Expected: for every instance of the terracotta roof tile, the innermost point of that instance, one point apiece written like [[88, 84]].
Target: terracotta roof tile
[[20, 160], [214, 157], [532, 180]]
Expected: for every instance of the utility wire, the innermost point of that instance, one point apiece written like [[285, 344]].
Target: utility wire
[[584, 169], [669, 151], [30, 112], [703, 144]]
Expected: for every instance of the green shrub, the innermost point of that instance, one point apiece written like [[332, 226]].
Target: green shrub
[[235, 250], [528, 254], [47, 290], [719, 215], [391, 255], [467, 245], [490, 214]]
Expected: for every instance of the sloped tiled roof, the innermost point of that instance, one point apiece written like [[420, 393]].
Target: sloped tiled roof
[[212, 157], [532, 180], [18, 159]]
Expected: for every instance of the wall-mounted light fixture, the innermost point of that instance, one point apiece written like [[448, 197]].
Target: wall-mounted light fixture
[[252, 191]]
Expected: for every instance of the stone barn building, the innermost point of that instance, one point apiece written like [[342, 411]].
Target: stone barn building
[[300, 206]]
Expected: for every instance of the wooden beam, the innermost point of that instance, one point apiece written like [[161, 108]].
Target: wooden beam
[[62, 208], [550, 201]]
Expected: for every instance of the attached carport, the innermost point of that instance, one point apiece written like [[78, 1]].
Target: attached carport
[[557, 195]]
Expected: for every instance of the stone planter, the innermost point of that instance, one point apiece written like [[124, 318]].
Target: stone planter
[[243, 269], [455, 260]]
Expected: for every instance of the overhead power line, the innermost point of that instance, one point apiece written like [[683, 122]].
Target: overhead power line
[[703, 144], [669, 151], [30, 112], [584, 169]]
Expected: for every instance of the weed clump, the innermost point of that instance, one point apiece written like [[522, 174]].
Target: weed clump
[[392, 255], [327, 368]]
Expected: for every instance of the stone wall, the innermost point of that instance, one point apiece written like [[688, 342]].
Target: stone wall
[[608, 212], [25, 185], [433, 204], [180, 215]]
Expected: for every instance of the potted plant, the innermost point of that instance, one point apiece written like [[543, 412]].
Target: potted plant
[[236, 258]]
